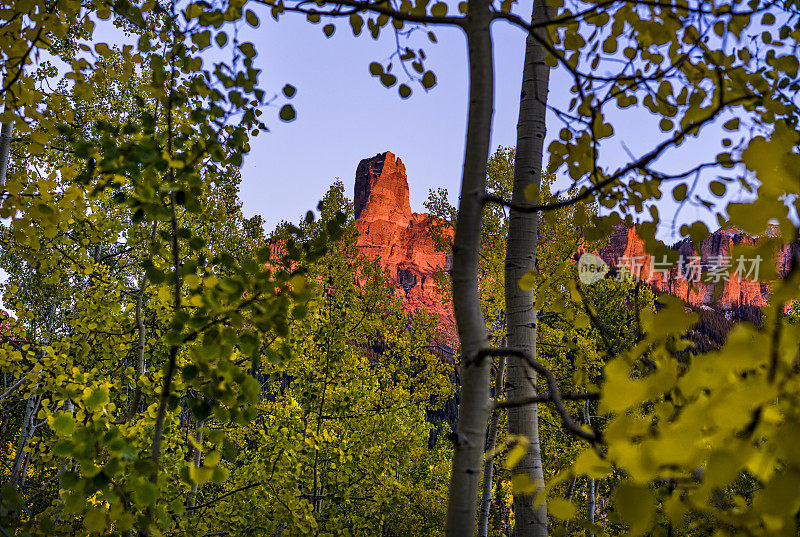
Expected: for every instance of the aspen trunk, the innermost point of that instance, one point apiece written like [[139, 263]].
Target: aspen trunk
[[488, 464], [591, 488], [196, 458], [25, 434], [469, 436], [523, 229], [5, 146]]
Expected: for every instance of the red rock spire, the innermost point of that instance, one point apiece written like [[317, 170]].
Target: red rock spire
[[382, 189], [398, 238]]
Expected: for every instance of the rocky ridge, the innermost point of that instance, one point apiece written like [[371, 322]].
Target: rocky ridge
[[401, 240]]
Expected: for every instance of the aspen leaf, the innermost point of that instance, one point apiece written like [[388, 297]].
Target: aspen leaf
[[522, 484], [636, 505], [145, 493], [356, 23], [428, 80], [528, 281], [590, 464], [62, 424], [517, 452], [251, 18], [388, 79], [289, 91], [200, 475], [731, 124], [375, 69], [95, 520], [287, 113], [97, 397], [561, 508]]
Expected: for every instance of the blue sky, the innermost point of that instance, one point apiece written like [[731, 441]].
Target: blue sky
[[345, 115]]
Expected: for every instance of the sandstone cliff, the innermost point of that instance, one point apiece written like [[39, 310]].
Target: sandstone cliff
[[401, 240], [701, 278]]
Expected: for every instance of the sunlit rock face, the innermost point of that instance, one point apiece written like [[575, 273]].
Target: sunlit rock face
[[402, 242], [400, 239], [729, 293]]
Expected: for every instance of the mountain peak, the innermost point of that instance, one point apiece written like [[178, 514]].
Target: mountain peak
[[381, 189]]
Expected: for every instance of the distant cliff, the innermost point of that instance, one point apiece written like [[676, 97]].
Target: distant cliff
[[400, 239], [701, 278]]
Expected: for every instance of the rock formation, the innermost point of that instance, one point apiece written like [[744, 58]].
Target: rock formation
[[400, 239], [703, 276]]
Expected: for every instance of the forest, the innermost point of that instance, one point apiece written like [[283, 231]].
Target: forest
[[535, 355]]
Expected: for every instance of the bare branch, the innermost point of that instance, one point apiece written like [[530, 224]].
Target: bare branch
[[555, 393]]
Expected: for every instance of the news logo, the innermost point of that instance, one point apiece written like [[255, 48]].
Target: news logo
[[591, 268]]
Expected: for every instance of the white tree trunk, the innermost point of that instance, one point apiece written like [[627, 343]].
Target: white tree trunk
[[530, 520], [469, 436], [5, 146], [488, 464], [591, 487]]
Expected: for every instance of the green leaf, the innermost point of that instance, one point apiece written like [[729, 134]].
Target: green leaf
[[375, 69], [145, 494], [287, 113], [356, 22], [518, 452], [679, 192], [251, 18], [328, 30], [528, 281], [62, 424], [388, 80], [202, 39], [97, 398], [289, 91], [717, 188], [200, 475], [439, 9], [404, 91], [428, 80], [9, 497], [248, 49], [522, 484], [561, 508], [731, 124], [636, 505], [95, 520]]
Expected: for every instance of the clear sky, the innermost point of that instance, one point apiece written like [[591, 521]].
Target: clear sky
[[345, 115]]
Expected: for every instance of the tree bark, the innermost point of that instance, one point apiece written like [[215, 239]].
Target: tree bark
[[25, 434], [523, 229], [591, 488], [469, 436], [488, 464], [196, 458], [5, 146]]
